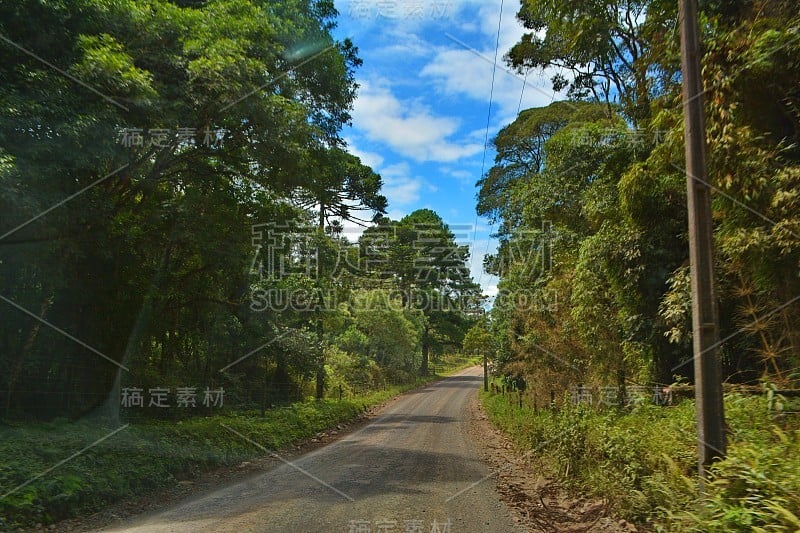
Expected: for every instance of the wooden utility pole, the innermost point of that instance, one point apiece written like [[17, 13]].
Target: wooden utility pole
[[705, 321], [485, 372]]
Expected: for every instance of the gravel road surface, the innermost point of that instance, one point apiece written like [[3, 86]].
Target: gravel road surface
[[414, 468]]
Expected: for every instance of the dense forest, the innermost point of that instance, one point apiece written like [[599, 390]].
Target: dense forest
[[589, 197], [183, 225], [139, 206], [175, 217]]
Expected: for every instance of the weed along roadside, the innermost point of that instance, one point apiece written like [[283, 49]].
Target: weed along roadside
[[642, 459], [153, 455]]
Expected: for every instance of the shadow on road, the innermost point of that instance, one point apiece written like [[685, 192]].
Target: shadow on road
[[416, 419], [465, 382]]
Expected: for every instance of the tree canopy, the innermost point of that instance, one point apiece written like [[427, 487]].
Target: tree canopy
[[173, 185], [590, 194]]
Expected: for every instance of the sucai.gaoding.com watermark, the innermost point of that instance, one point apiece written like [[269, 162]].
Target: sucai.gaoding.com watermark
[[285, 251]]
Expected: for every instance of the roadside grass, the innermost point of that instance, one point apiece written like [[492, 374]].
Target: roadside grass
[[37, 485], [644, 461]]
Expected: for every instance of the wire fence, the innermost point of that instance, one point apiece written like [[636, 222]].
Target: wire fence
[[783, 402]]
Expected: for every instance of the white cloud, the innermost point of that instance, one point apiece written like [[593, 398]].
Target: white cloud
[[408, 127], [398, 185], [351, 230], [371, 159], [396, 169], [464, 67], [457, 71], [405, 15], [479, 249], [402, 191], [463, 176], [396, 214], [403, 43], [510, 28]]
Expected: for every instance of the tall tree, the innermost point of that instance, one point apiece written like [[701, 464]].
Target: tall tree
[[420, 254], [604, 47], [339, 186], [182, 124]]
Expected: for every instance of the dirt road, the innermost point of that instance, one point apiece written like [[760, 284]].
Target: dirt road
[[414, 468]]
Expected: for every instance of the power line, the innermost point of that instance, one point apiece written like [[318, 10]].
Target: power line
[[491, 225], [522, 92], [486, 138], [488, 121]]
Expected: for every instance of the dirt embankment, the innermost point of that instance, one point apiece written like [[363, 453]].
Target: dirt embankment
[[539, 503]]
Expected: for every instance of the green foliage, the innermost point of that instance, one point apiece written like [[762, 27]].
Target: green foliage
[[420, 258], [597, 193], [644, 462], [160, 264], [151, 454], [479, 340], [604, 48], [392, 338], [756, 488], [140, 458], [167, 234], [351, 373]]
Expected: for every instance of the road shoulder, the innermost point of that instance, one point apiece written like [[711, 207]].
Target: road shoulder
[[209, 481], [538, 502]]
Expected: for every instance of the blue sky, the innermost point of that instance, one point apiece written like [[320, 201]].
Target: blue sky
[[421, 113]]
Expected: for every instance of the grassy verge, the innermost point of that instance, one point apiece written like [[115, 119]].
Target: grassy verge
[[644, 462], [41, 487]]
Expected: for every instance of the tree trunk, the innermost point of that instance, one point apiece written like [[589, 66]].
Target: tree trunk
[[26, 348], [621, 386], [110, 406], [265, 392], [320, 391], [423, 369], [485, 373]]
